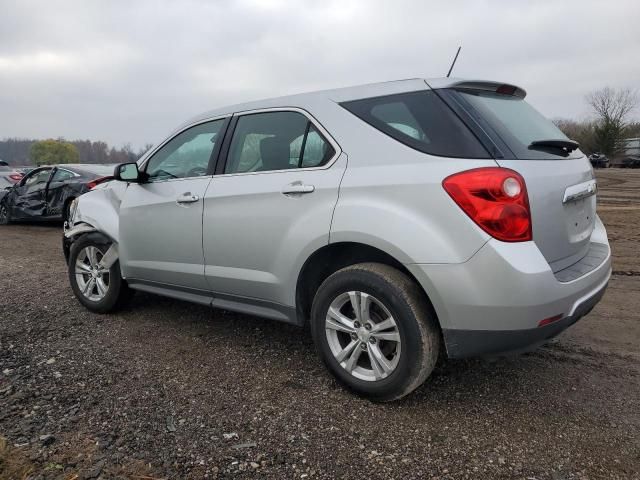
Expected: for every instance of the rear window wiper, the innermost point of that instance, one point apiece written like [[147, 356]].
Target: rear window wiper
[[567, 146]]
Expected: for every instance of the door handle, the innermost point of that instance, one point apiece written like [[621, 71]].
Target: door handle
[[297, 187], [187, 198]]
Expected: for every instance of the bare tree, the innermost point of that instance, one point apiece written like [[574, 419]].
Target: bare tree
[[612, 108], [613, 105]]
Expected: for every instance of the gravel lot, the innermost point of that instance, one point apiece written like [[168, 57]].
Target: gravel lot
[[167, 389]]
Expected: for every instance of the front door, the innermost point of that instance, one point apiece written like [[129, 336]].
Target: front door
[[161, 218], [28, 200], [270, 206]]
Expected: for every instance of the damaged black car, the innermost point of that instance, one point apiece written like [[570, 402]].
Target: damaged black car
[[46, 193]]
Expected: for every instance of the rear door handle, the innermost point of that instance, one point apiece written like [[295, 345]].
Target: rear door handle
[[187, 198], [297, 187]]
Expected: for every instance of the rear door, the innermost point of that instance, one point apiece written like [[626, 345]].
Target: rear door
[[559, 180], [56, 194], [271, 205], [161, 218]]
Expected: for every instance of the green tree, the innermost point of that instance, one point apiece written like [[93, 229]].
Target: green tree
[[51, 152]]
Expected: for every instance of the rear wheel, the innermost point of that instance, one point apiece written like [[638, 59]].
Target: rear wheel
[[375, 331], [100, 289]]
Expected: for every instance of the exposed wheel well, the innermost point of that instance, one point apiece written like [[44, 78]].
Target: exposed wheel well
[[65, 206], [331, 258]]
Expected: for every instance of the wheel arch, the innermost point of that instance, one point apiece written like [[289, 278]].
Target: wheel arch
[[65, 205], [333, 257], [79, 231]]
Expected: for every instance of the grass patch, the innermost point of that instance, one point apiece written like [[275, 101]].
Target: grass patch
[[14, 464]]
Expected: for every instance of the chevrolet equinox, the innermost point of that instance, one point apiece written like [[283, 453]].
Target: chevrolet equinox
[[400, 221]]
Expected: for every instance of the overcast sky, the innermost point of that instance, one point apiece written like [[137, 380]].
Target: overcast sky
[[130, 71]]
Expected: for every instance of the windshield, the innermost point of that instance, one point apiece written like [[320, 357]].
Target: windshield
[[517, 124]]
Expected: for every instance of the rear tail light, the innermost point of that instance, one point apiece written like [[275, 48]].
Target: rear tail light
[[15, 177], [97, 181], [496, 199]]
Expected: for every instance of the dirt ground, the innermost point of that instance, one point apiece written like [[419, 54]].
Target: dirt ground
[[167, 389]]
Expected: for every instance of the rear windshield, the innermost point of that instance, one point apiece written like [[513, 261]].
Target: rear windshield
[[517, 124], [420, 120]]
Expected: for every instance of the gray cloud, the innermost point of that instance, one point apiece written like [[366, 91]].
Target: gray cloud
[[130, 71]]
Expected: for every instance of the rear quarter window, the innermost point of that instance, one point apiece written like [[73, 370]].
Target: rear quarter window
[[420, 120]]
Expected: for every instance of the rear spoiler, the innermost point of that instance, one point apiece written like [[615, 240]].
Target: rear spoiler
[[483, 85], [502, 88]]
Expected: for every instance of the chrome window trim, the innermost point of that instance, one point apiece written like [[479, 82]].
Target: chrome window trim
[[325, 134]]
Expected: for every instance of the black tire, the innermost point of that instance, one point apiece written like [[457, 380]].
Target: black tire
[[5, 216], [118, 292], [416, 324]]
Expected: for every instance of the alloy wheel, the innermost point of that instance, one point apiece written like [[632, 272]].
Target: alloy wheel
[[363, 336], [91, 276]]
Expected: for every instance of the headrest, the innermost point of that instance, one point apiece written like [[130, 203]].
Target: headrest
[[274, 152]]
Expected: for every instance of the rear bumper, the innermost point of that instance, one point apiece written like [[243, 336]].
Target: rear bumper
[[471, 343], [494, 302]]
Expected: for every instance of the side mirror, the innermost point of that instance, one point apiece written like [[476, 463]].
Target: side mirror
[[127, 172]]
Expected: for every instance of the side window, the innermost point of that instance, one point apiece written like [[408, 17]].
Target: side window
[[62, 175], [398, 116], [276, 141], [37, 180], [185, 155], [420, 120]]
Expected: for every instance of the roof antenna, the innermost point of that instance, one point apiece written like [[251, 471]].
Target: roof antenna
[[454, 61]]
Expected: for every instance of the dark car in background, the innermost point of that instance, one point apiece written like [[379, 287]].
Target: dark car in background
[[599, 160], [45, 193], [630, 161]]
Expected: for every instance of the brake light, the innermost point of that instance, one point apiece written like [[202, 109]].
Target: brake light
[[506, 90], [494, 198], [97, 181], [15, 177]]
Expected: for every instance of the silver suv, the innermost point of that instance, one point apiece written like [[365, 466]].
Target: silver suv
[[400, 221]]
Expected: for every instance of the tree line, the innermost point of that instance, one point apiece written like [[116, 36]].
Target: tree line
[[19, 151]]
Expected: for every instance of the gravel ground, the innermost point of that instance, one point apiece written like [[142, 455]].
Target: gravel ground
[[167, 389]]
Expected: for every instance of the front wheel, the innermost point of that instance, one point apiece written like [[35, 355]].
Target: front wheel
[[5, 217], [375, 331], [100, 289]]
